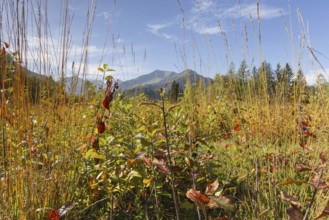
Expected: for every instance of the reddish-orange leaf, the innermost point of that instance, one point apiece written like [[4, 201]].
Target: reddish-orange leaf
[[325, 211], [237, 127], [129, 207], [212, 187], [225, 136], [53, 215], [197, 196]]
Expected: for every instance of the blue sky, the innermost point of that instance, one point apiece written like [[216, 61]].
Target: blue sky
[[140, 36]]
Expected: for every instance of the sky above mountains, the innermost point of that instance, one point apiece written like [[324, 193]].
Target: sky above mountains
[[139, 36]]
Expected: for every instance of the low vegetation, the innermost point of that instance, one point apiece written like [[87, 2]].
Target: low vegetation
[[251, 144]]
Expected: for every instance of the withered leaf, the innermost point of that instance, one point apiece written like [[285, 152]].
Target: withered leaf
[[212, 187], [223, 201], [162, 166], [292, 200], [319, 184], [65, 208], [287, 181], [301, 168], [197, 196], [295, 213]]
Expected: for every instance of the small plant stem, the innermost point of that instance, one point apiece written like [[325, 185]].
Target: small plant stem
[[313, 197], [169, 159], [154, 186], [257, 187], [111, 212], [193, 178]]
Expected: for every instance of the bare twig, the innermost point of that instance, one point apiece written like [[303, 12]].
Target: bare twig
[[313, 197]]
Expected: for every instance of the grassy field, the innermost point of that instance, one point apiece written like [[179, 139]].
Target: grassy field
[[228, 150]]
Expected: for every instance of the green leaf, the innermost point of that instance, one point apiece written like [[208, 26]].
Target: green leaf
[[109, 77], [101, 69], [145, 142], [92, 153], [105, 66], [10, 90]]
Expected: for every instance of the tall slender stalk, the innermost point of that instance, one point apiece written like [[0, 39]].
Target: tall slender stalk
[[172, 181]]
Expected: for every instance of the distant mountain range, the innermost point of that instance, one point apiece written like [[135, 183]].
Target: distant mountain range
[[149, 84]]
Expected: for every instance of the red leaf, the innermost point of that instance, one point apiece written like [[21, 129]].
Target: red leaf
[[106, 102], [53, 215], [212, 187], [237, 127], [101, 127], [225, 136]]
